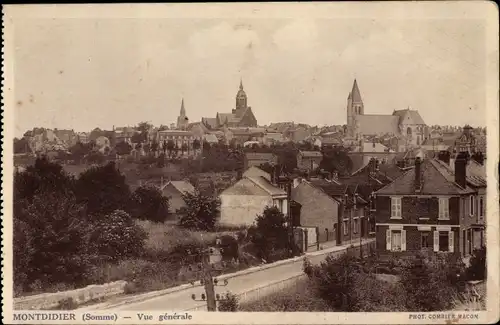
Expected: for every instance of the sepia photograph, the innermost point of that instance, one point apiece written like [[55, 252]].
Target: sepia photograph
[[323, 158]]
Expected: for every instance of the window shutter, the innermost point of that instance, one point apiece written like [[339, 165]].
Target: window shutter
[[403, 240], [436, 241], [451, 241], [388, 239], [441, 207]]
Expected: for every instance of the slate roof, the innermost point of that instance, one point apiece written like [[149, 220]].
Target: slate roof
[[408, 116], [329, 188], [261, 156], [436, 180], [311, 154], [355, 95], [209, 121], [254, 185], [181, 186], [476, 173], [377, 124]]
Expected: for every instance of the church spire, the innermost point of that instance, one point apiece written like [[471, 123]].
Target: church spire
[[183, 110], [355, 94], [241, 84]]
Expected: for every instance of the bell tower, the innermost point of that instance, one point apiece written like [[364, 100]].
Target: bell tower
[[354, 107], [241, 99]]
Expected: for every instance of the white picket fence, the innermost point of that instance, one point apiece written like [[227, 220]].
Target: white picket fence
[[50, 300]]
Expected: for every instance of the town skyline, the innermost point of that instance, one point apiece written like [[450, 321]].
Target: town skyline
[[94, 73]]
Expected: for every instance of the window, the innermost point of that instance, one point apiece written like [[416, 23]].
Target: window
[[444, 208], [395, 208], [395, 240], [471, 205], [481, 206], [344, 225], [355, 226], [425, 240], [443, 241]]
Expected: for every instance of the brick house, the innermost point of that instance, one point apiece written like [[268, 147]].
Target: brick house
[[309, 160], [424, 210], [352, 210]]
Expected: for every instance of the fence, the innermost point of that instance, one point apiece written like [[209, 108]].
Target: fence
[[278, 286], [51, 300]]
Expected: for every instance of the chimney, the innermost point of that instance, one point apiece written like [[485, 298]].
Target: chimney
[[418, 174], [461, 170]]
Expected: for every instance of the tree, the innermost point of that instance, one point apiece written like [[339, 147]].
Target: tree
[[21, 145], [116, 236], [154, 146], [43, 176], [123, 148], [201, 211], [184, 148], [230, 303], [170, 147], [103, 190], [196, 144], [53, 228], [137, 138], [163, 128], [269, 234], [477, 268], [439, 275], [334, 280], [79, 150], [148, 203]]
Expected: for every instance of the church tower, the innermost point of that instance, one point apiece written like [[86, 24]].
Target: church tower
[[182, 120], [241, 100], [354, 107]]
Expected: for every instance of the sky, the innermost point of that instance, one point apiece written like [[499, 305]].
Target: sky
[[83, 73]]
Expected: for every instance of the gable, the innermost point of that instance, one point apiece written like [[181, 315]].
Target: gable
[[254, 171], [433, 183], [245, 187]]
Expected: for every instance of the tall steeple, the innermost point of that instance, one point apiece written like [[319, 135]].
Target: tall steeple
[[183, 110], [355, 94], [182, 119], [241, 99]]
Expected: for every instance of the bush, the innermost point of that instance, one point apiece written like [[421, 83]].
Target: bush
[[148, 203], [67, 304], [477, 268], [430, 282], [269, 234], [201, 211], [229, 246], [230, 303], [117, 237]]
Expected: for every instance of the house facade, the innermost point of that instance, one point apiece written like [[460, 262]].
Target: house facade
[[259, 158], [424, 210], [246, 199], [309, 160], [174, 190], [318, 209]]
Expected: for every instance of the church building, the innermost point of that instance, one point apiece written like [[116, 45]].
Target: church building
[[182, 119], [405, 123], [240, 116]]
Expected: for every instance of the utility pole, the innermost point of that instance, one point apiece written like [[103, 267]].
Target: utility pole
[[208, 282]]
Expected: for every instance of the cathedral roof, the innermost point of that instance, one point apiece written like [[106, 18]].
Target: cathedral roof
[[355, 94], [408, 116], [377, 124]]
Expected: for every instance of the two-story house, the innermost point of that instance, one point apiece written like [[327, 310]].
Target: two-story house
[[352, 208], [424, 209], [309, 160], [247, 198]]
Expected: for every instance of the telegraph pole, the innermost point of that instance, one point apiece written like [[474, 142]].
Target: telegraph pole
[[208, 282]]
